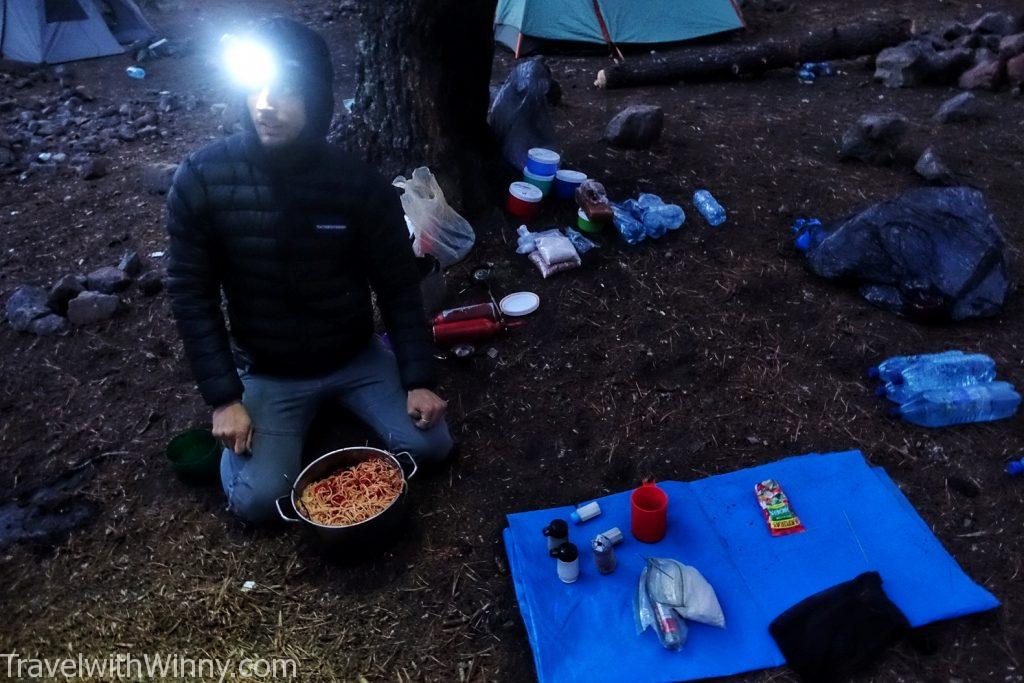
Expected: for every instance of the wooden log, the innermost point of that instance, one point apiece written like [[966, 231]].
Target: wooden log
[[841, 42]]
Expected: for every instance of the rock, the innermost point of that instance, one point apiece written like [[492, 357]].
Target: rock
[[26, 304], [148, 132], [63, 291], [168, 102], [157, 177], [131, 264], [987, 75], [49, 325], [990, 43], [107, 280], [931, 168], [1011, 46], [151, 283], [999, 23], [92, 168], [147, 119], [635, 127], [91, 307], [983, 54], [954, 30], [963, 107], [947, 66], [875, 138], [1015, 71], [902, 66], [125, 132], [6, 156]]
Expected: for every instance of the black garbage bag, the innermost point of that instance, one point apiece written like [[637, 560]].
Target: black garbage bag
[[839, 631], [519, 114], [932, 254]]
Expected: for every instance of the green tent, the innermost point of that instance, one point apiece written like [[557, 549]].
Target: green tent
[[521, 24]]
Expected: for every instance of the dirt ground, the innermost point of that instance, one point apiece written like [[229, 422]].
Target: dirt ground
[[705, 352]]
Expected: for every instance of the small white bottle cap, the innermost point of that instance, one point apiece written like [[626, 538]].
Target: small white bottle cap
[[613, 535], [586, 512]]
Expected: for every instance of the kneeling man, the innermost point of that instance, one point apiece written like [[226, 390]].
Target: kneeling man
[[296, 233]]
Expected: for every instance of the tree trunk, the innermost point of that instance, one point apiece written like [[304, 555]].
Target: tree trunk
[[423, 90], [843, 42]]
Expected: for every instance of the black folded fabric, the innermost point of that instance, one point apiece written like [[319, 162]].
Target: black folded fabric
[[832, 634]]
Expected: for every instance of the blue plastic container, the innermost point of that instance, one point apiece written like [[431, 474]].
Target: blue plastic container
[[566, 182], [542, 162]]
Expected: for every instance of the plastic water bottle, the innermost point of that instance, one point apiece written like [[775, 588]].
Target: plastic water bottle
[[962, 405], [1015, 467], [809, 233], [629, 227], [708, 207], [888, 370], [810, 71], [136, 72], [659, 217], [941, 373]]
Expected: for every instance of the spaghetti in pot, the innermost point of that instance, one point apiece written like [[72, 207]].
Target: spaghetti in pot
[[353, 494]]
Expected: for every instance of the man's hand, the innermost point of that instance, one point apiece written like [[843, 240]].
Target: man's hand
[[231, 424], [425, 407]]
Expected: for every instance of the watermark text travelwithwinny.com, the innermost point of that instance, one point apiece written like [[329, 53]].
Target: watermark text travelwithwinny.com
[[125, 666]]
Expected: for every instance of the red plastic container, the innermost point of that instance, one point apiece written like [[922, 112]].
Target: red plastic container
[[649, 516], [524, 200]]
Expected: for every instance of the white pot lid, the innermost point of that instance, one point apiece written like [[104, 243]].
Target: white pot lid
[[520, 303]]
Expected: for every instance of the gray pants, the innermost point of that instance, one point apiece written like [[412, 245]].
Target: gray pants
[[282, 410]]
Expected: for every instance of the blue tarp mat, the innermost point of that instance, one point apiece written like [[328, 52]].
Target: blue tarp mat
[[856, 518]]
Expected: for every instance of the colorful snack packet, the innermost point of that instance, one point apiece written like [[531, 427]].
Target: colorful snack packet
[[775, 507]]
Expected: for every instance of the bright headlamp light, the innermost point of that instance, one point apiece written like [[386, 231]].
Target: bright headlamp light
[[250, 63]]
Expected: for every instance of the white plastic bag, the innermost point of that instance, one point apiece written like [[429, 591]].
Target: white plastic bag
[[437, 228]]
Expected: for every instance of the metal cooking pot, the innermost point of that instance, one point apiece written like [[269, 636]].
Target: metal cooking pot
[[369, 531]]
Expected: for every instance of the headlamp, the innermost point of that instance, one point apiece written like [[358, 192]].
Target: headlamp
[[250, 63]]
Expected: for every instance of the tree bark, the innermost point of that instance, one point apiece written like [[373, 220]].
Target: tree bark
[[842, 42], [423, 90]]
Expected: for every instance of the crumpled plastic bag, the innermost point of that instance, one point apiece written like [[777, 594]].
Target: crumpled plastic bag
[[932, 254], [519, 114], [668, 586], [437, 228]]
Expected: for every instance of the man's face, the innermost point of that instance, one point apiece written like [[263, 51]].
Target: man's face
[[279, 114]]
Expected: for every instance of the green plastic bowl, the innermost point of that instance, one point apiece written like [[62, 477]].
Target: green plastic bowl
[[195, 455]]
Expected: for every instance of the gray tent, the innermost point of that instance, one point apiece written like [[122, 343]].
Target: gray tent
[[54, 31]]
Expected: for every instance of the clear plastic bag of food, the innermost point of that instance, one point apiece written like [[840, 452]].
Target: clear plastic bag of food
[[556, 248]]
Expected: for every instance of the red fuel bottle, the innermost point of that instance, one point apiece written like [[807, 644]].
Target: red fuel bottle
[[487, 311], [466, 331]]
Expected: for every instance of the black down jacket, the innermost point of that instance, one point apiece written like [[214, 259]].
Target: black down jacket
[[296, 240]]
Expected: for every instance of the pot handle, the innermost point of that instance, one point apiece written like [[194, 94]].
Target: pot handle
[[281, 510], [415, 467]]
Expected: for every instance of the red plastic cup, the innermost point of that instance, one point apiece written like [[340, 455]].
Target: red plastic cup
[[649, 505]]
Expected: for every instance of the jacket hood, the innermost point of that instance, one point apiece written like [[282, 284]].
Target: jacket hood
[[305, 59]]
